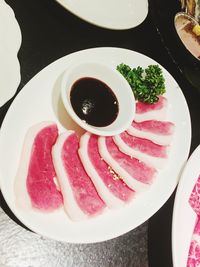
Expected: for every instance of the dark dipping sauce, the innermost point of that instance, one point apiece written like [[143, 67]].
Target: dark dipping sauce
[[94, 102]]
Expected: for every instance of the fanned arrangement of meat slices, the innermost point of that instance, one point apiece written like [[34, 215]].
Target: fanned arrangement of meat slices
[[94, 173]]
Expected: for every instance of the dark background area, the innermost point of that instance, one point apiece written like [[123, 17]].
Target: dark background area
[[50, 32]]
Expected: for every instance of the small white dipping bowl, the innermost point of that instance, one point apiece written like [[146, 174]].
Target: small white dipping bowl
[[115, 81]]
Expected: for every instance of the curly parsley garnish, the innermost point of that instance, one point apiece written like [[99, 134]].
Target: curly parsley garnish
[[147, 84]]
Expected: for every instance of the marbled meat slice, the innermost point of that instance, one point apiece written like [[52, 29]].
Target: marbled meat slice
[[142, 149], [35, 184], [194, 250], [156, 111], [159, 132], [136, 174], [194, 199], [109, 184], [80, 195]]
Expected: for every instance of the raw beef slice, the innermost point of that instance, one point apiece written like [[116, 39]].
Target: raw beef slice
[[109, 184], [194, 250], [135, 173], [142, 149], [159, 132], [80, 196], [194, 199], [36, 178], [156, 111]]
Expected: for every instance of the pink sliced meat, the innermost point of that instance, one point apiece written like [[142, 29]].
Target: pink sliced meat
[[36, 178], [142, 149], [156, 111], [108, 183], [159, 132], [80, 195], [135, 173], [194, 199], [194, 250]]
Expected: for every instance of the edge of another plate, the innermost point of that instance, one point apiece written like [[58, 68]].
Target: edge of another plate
[[184, 217], [118, 19], [10, 42]]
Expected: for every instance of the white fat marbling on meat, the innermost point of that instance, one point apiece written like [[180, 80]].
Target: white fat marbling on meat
[[128, 179], [103, 191], [155, 162], [70, 205], [157, 139]]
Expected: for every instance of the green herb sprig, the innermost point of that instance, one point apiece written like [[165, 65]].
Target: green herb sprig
[[147, 84]]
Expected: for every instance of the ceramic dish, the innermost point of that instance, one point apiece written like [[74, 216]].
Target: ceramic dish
[[112, 14], [185, 28], [10, 42], [118, 86], [184, 217], [40, 100]]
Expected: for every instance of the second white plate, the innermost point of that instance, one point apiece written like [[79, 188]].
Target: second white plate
[[111, 14], [184, 217], [10, 42]]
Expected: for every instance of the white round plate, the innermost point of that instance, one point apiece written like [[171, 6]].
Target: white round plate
[[184, 217], [10, 42], [111, 14], [40, 101]]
